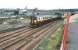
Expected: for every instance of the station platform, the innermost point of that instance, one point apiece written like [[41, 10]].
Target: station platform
[[73, 33]]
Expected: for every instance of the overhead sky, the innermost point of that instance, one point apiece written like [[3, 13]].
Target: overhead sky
[[40, 4]]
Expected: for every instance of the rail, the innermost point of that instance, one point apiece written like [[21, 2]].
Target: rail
[[21, 37]]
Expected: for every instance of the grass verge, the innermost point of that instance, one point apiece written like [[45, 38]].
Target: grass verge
[[55, 40]]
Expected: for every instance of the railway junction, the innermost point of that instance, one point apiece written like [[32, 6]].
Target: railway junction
[[27, 32], [28, 38]]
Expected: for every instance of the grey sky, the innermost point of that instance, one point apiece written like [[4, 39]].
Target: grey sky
[[40, 4]]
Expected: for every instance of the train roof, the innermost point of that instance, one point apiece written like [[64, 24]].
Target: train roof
[[45, 15]]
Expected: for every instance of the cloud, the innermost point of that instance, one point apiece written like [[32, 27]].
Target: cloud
[[41, 4]]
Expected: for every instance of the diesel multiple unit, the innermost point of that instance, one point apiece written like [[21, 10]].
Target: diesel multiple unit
[[38, 20]]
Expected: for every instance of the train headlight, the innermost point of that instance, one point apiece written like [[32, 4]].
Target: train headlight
[[38, 20], [35, 21]]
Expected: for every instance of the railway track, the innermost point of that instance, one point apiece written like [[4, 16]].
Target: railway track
[[37, 38], [37, 34], [18, 40], [7, 36]]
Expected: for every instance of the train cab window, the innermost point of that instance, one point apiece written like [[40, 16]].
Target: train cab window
[[43, 18], [39, 18]]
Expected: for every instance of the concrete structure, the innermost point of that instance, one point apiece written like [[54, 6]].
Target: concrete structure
[[73, 33]]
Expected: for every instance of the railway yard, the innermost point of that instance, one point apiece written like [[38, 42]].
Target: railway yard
[[38, 26], [22, 32], [26, 38]]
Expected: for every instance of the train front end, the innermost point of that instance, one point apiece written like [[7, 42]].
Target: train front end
[[34, 22]]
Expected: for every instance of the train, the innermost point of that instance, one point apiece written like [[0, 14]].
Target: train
[[39, 20]]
